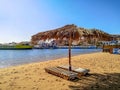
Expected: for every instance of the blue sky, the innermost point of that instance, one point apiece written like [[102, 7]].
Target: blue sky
[[20, 19]]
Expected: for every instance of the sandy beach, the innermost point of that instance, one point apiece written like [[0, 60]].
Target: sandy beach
[[104, 74]]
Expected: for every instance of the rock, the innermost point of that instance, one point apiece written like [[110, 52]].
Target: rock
[[90, 35]]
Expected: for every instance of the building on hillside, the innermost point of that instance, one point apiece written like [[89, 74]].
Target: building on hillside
[[114, 42], [46, 44]]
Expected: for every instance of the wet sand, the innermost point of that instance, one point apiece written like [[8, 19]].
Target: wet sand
[[104, 74]]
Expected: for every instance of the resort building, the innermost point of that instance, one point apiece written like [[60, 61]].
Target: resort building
[[46, 44]]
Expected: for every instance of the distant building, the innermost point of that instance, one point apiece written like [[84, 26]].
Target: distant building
[[25, 43], [46, 44], [114, 42], [12, 44]]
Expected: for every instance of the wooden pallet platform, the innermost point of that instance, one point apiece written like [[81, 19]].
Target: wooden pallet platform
[[80, 71], [65, 74]]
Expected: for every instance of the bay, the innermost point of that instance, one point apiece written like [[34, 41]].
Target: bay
[[18, 57]]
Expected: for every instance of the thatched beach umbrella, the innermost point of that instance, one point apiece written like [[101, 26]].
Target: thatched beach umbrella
[[73, 35], [70, 68]]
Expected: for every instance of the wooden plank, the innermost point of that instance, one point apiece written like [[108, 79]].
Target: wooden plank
[[68, 75], [80, 71]]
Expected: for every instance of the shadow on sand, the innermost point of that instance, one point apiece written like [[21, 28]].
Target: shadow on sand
[[107, 81]]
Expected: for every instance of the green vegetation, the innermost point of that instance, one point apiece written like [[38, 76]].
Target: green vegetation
[[23, 46], [15, 47]]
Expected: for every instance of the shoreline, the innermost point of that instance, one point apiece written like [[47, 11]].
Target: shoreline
[[48, 60], [104, 70]]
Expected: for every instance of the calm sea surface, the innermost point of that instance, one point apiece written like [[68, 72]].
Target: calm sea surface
[[18, 57]]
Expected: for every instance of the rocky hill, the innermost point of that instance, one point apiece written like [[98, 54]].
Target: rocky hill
[[78, 35]]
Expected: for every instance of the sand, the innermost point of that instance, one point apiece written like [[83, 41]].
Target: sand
[[104, 74]]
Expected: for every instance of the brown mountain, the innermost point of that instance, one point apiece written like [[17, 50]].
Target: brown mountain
[[79, 35]]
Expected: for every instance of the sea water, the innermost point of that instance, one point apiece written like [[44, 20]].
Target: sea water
[[18, 57]]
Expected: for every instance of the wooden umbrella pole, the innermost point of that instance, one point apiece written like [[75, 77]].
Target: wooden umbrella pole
[[70, 52]]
